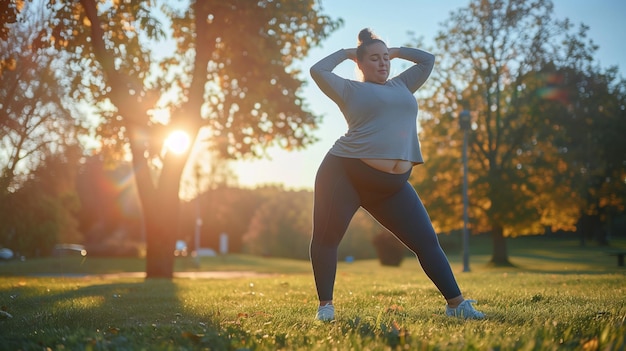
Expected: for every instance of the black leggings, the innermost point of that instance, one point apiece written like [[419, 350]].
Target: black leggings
[[342, 185]]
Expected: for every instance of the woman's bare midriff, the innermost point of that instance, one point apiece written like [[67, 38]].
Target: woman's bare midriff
[[389, 166]]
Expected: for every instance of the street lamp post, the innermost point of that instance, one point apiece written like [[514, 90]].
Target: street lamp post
[[465, 124], [197, 231]]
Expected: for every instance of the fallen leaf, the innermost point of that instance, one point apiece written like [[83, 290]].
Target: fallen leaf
[[395, 308], [192, 336], [591, 345]]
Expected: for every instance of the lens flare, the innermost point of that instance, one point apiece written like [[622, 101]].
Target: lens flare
[[178, 142]]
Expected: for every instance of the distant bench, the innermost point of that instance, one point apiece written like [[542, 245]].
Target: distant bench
[[620, 256]]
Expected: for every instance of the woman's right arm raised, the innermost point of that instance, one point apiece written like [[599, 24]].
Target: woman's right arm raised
[[322, 73]]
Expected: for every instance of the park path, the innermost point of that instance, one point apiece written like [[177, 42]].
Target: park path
[[195, 275], [188, 275]]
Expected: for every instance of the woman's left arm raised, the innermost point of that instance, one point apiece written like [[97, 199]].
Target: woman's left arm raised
[[415, 76]]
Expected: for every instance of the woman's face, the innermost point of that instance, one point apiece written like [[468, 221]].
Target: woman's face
[[375, 64]]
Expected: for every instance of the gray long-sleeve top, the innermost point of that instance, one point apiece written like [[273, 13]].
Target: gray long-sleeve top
[[382, 118]]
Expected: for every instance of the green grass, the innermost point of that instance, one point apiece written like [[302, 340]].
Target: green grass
[[73, 265], [559, 296]]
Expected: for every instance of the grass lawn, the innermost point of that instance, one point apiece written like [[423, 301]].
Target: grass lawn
[[558, 296]]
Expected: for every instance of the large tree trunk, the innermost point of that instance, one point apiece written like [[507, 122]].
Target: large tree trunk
[[500, 255], [160, 224], [161, 214]]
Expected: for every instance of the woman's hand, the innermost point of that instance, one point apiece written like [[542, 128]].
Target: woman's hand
[[351, 53], [393, 53]]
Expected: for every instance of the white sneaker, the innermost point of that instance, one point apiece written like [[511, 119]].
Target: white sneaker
[[465, 310], [325, 313]]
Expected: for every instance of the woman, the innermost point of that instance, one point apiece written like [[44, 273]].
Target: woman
[[370, 165]]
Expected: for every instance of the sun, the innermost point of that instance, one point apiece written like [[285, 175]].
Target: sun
[[178, 142]]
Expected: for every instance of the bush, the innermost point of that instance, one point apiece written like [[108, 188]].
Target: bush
[[389, 249]]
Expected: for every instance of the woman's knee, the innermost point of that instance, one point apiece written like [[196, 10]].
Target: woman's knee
[[327, 238]]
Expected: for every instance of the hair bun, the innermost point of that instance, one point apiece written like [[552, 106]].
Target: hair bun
[[366, 35]]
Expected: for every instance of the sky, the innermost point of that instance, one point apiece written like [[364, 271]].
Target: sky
[[392, 20]]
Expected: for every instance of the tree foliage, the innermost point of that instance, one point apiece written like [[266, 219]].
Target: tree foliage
[[286, 235], [497, 60], [9, 13], [43, 211], [590, 136], [289, 234], [223, 209], [249, 217], [36, 119], [230, 72], [39, 136]]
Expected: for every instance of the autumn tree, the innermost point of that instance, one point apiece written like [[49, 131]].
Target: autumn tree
[[223, 209], [229, 72], [39, 135], [287, 235], [43, 211], [591, 129], [37, 118], [490, 55]]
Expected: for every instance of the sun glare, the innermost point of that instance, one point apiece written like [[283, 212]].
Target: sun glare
[[178, 142]]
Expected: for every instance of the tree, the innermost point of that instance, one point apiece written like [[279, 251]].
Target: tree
[[592, 126], [223, 209], [42, 212], [359, 237], [231, 73], [491, 52], [39, 133], [389, 249], [36, 118], [287, 235], [249, 218]]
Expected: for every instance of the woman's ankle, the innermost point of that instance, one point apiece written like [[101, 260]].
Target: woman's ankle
[[455, 301]]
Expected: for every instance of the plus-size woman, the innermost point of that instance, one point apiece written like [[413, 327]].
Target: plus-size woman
[[370, 165]]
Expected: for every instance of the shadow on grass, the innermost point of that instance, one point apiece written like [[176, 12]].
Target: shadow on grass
[[96, 314], [539, 254]]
